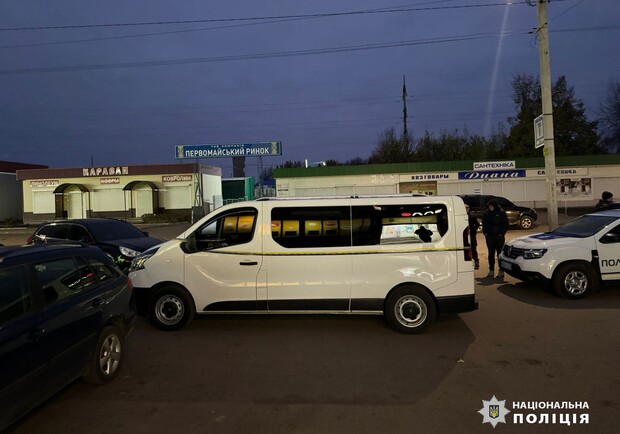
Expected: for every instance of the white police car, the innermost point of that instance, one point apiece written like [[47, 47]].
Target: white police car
[[576, 257]]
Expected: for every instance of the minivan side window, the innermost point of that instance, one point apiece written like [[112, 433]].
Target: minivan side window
[[335, 226], [308, 227], [398, 224], [14, 294], [227, 230]]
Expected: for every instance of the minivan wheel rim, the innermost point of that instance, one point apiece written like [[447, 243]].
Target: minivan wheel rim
[[526, 223], [169, 310], [110, 355], [576, 283], [410, 311]]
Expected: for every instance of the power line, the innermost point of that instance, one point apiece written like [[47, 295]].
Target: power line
[[260, 18], [171, 32], [292, 53], [257, 56]]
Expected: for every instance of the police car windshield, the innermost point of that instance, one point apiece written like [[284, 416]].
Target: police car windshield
[[584, 226]]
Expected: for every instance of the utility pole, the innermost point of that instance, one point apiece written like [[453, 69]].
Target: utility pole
[[405, 132], [547, 112]]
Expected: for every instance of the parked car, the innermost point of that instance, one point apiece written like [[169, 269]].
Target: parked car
[[65, 311], [119, 239], [520, 216], [575, 258], [407, 258]]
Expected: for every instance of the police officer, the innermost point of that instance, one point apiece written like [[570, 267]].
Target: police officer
[[474, 224], [494, 227]]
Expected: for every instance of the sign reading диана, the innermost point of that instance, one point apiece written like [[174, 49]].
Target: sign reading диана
[[261, 149]]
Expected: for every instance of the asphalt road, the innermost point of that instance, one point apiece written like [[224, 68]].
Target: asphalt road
[[327, 374]]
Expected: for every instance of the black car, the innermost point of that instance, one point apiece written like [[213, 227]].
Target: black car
[[65, 310], [520, 216], [119, 239]]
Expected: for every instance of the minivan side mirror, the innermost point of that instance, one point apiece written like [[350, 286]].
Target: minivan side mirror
[[189, 245], [146, 234]]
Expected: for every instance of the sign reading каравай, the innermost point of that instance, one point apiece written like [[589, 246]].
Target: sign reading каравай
[[224, 150]]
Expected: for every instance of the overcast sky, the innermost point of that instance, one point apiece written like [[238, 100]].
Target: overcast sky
[[127, 95]]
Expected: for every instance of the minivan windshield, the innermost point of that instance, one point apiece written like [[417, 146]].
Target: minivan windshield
[[584, 226]]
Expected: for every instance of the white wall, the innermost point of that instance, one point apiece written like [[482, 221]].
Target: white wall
[[529, 191]]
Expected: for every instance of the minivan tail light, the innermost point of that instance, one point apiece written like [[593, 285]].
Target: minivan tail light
[[29, 240], [467, 244], [129, 283]]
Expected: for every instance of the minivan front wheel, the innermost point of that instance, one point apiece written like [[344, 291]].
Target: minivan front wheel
[[526, 222], [410, 309], [171, 308]]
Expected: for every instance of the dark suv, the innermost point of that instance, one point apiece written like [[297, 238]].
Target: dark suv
[[121, 240], [65, 310], [517, 215]]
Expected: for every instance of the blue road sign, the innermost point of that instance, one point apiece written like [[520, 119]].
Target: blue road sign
[[224, 150]]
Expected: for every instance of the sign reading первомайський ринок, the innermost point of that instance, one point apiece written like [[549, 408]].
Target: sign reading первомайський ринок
[[224, 150]]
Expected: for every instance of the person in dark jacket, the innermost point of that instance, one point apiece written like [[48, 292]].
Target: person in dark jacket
[[494, 227], [474, 224], [606, 201]]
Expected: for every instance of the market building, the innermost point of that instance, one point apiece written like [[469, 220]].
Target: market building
[[580, 180], [11, 189], [125, 192]]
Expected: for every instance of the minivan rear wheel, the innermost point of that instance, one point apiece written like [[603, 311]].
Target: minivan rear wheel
[[171, 308], [410, 309]]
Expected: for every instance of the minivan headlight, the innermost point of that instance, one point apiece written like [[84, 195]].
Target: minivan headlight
[[534, 253], [138, 263]]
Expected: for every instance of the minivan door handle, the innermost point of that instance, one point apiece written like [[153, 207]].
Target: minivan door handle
[[248, 263]]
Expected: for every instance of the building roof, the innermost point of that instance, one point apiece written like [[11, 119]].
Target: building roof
[[13, 167], [116, 170], [441, 166]]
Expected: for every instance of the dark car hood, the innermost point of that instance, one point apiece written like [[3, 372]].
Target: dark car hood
[[138, 244]]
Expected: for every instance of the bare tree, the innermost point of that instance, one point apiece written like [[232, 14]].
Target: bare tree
[[609, 118]]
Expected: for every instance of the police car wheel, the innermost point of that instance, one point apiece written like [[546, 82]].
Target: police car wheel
[[573, 280], [410, 309]]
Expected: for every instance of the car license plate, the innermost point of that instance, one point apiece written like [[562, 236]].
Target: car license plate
[[505, 265]]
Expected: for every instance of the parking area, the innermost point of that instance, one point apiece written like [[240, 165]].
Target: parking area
[[324, 374]]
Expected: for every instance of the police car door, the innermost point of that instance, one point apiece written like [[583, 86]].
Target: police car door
[[608, 247]]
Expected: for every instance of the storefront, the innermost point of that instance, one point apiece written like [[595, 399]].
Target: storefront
[[580, 181], [124, 192]]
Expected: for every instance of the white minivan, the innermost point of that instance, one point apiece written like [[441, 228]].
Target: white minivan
[[402, 256]]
